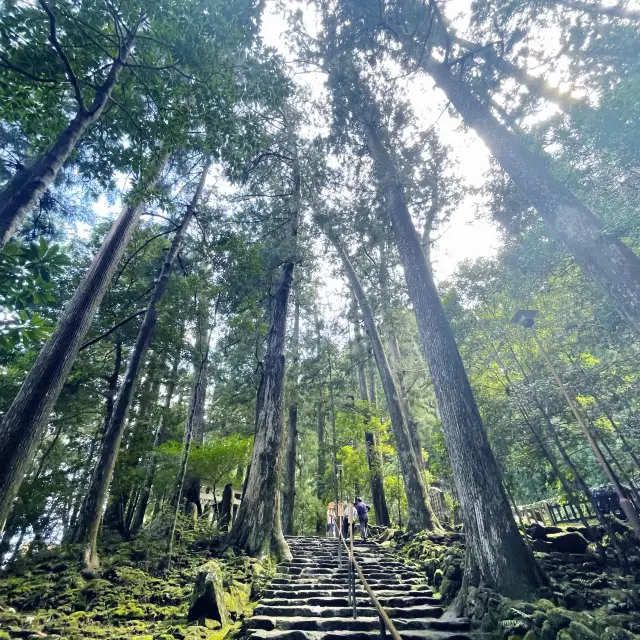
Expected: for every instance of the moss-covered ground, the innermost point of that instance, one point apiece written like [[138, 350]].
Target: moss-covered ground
[[47, 595], [585, 600]]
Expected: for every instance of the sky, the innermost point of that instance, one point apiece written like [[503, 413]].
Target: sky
[[466, 236]]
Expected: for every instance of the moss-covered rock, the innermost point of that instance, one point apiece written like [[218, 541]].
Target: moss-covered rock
[[616, 633], [558, 619], [209, 598], [579, 631]]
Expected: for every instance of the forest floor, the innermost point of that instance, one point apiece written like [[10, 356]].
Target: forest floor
[[130, 597], [584, 600], [46, 595]]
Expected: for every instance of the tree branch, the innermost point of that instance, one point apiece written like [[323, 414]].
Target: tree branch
[[114, 328], [9, 65], [53, 38], [137, 251]]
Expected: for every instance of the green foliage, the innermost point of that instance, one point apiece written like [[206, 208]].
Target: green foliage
[[26, 284], [217, 461]]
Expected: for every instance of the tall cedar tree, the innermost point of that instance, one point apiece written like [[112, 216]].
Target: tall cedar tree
[[258, 525], [420, 515], [496, 552], [25, 420], [86, 530]]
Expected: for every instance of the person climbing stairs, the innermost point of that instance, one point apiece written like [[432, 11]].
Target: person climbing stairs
[[309, 598]]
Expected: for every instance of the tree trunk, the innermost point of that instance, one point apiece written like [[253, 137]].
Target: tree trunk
[[192, 482], [89, 519], [360, 350], [374, 457], [258, 526], [225, 509], [123, 487], [578, 480], [158, 439], [396, 365], [420, 514], [25, 420], [496, 551], [321, 470], [26, 187], [289, 489], [196, 412], [374, 460], [606, 260]]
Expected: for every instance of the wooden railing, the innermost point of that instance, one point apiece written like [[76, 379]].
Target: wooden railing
[[385, 620]]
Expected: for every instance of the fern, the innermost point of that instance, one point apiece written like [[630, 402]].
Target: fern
[[509, 623]]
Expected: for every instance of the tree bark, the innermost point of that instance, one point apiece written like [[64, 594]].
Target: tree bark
[[193, 482], [25, 420], [396, 365], [225, 510], [258, 525], [90, 516], [611, 264], [321, 469], [26, 187], [420, 515], [196, 406], [289, 488], [374, 457], [158, 438], [494, 545]]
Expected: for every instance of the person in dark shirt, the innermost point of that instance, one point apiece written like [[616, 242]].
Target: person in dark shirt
[[362, 509]]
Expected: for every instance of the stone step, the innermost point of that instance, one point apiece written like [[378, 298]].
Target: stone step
[[296, 600], [338, 593], [322, 580], [405, 627], [308, 611], [354, 635]]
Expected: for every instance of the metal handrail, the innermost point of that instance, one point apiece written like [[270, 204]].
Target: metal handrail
[[384, 616]]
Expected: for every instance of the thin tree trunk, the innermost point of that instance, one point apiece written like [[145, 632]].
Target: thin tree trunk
[[396, 366], [374, 457], [420, 515], [496, 551], [578, 480], [26, 187], [610, 263], [321, 469], [122, 490], [289, 487], [360, 351], [542, 447], [258, 526], [374, 460], [193, 482], [158, 438], [25, 420], [606, 524], [195, 407], [90, 516]]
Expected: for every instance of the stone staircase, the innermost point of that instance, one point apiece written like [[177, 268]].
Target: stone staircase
[[308, 598]]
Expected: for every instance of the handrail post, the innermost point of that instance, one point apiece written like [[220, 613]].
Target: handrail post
[[384, 617], [383, 628], [352, 575]]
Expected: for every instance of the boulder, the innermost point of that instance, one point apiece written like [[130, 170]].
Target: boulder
[[551, 530], [536, 531], [579, 631], [569, 542], [616, 633], [557, 619], [544, 546], [208, 598]]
